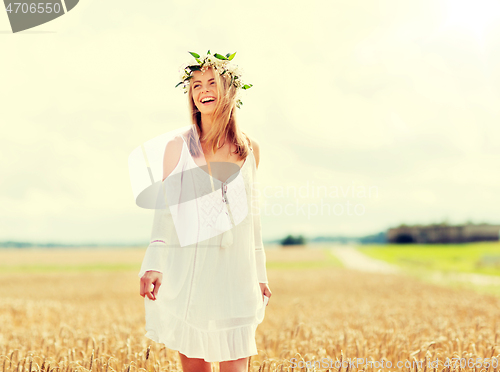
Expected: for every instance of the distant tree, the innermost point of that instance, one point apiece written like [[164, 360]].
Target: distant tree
[[291, 240], [404, 239]]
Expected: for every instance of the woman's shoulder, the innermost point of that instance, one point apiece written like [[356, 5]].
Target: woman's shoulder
[[254, 145], [174, 146], [172, 155]]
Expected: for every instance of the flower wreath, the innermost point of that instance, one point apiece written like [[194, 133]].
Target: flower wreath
[[220, 63]]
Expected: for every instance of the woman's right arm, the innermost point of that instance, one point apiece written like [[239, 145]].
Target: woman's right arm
[[152, 267]]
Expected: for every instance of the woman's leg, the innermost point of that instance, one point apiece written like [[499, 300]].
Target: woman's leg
[[194, 364], [238, 365]]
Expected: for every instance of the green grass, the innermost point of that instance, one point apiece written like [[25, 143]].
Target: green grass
[[420, 261], [464, 258]]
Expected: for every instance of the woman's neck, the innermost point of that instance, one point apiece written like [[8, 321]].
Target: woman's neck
[[206, 124]]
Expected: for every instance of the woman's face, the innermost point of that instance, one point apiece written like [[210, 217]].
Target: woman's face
[[204, 90]]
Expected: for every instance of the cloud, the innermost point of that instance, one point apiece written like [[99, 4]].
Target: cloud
[[378, 93]]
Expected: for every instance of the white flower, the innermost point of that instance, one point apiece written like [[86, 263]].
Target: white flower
[[210, 58], [236, 71]]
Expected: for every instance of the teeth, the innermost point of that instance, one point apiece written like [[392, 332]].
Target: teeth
[[207, 99]]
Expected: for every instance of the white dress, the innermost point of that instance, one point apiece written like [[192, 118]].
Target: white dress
[[209, 303]]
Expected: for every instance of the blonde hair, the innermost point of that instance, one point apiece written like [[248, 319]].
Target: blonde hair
[[224, 120]]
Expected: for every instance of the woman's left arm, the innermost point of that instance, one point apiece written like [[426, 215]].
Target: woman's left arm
[[260, 254]]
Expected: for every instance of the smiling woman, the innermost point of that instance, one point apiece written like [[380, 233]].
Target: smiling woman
[[211, 100], [206, 259]]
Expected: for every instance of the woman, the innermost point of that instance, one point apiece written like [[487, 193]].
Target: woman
[[210, 292]]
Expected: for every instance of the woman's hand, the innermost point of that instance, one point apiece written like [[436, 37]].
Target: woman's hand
[[151, 278], [265, 291]]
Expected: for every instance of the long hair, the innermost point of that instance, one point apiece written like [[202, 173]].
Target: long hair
[[224, 120]]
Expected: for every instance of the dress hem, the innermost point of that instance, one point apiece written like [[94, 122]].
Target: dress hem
[[152, 335], [210, 345]]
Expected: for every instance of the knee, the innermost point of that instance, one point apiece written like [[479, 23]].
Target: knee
[[194, 364], [238, 365]]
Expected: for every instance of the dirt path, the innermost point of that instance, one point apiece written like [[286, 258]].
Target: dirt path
[[354, 259]]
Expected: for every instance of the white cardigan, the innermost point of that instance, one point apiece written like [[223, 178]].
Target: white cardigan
[[196, 214]]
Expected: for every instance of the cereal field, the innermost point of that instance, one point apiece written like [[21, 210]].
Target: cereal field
[[81, 311]]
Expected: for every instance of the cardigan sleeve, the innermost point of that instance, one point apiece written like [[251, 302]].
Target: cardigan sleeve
[[164, 234], [260, 253], [156, 254]]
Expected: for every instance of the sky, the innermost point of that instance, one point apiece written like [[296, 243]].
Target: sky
[[368, 114]]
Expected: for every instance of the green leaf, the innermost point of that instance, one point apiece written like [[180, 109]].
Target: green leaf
[[208, 51], [197, 60], [227, 55], [247, 86], [189, 77], [219, 56], [194, 68], [231, 56], [195, 55], [179, 84]]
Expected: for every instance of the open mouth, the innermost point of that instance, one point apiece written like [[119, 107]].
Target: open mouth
[[207, 100]]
